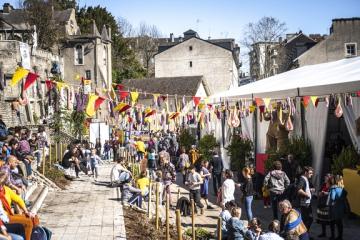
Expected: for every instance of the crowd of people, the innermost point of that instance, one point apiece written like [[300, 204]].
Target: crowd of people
[[286, 188], [21, 152]]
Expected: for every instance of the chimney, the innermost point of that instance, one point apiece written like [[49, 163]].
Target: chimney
[[171, 37], [7, 7]]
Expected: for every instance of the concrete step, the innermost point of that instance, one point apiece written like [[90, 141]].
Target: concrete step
[[38, 198]]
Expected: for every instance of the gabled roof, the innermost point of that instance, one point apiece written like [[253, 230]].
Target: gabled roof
[[168, 85], [104, 34], [63, 16], [16, 18], [299, 35]]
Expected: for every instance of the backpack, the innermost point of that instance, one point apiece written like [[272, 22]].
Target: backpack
[[39, 233], [183, 204], [3, 130]]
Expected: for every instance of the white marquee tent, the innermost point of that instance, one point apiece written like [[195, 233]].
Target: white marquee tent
[[336, 77]]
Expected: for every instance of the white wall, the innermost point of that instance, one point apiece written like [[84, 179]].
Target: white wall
[[214, 63]]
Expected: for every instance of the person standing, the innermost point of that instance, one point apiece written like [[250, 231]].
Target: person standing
[[205, 174], [228, 187], [168, 175], [216, 166], [98, 147], [304, 194], [248, 192], [322, 210], [94, 163], [337, 203], [184, 163], [194, 182], [276, 181]]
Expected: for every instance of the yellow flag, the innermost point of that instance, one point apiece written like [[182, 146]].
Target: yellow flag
[[313, 99], [19, 74], [267, 102], [134, 96], [252, 108], [90, 108], [61, 85]]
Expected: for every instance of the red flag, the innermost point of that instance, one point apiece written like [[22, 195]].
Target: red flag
[[49, 84], [358, 93], [196, 101], [119, 87], [258, 101], [163, 98], [30, 79], [123, 94], [98, 102], [306, 101]]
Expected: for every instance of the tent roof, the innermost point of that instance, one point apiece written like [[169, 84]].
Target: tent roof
[[313, 80]]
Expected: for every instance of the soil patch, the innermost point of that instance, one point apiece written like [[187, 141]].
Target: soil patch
[[138, 226]]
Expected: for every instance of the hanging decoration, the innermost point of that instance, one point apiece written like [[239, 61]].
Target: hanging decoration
[[122, 107], [306, 101], [267, 102], [313, 100], [196, 101], [123, 95], [19, 74], [30, 79], [98, 102], [90, 107]]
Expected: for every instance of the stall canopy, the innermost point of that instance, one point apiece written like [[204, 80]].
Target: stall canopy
[[313, 80]]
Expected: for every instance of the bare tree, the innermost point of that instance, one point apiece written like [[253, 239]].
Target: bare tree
[[147, 42], [261, 39], [125, 27]]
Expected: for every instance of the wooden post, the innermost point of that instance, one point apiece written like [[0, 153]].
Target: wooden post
[[193, 219], [167, 218], [149, 198], [61, 152], [56, 152], [178, 224], [178, 195], [43, 159], [50, 154], [219, 231], [157, 207]]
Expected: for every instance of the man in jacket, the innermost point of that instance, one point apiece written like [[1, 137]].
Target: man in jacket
[[216, 166], [276, 181]]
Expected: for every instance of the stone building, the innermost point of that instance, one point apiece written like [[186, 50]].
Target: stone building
[[342, 42], [86, 56], [217, 60]]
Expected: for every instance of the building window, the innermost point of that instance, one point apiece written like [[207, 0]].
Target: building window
[[88, 74], [190, 48], [79, 55], [190, 63], [350, 49]]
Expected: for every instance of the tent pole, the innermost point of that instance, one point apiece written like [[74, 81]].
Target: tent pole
[[302, 114], [254, 130]]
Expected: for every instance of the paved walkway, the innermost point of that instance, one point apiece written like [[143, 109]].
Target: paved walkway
[[85, 211]]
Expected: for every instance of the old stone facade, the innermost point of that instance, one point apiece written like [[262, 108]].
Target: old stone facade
[[79, 56], [197, 57], [13, 112], [343, 42]]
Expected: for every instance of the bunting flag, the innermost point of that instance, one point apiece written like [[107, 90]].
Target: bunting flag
[[313, 100], [174, 115], [90, 107], [122, 107], [49, 84], [19, 74], [119, 87], [30, 79], [201, 106], [306, 101], [252, 108], [258, 101], [98, 102], [196, 101], [61, 85], [267, 102], [149, 112], [112, 94], [123, 94], [134, 96], [358, 93]]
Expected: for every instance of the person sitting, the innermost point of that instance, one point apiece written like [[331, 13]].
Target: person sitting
[[273, 233], [235, 226], [116, 171], [143, 183], [26, 168], [226, 216], [7, 197], [291, 221], [70, 160], [254, 230], [129, 194], [15, 181]]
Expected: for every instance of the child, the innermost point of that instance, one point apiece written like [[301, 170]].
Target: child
[[226, 216], [143, 183], [235, 226], [254, 230], [94, 163], [266, 196]]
